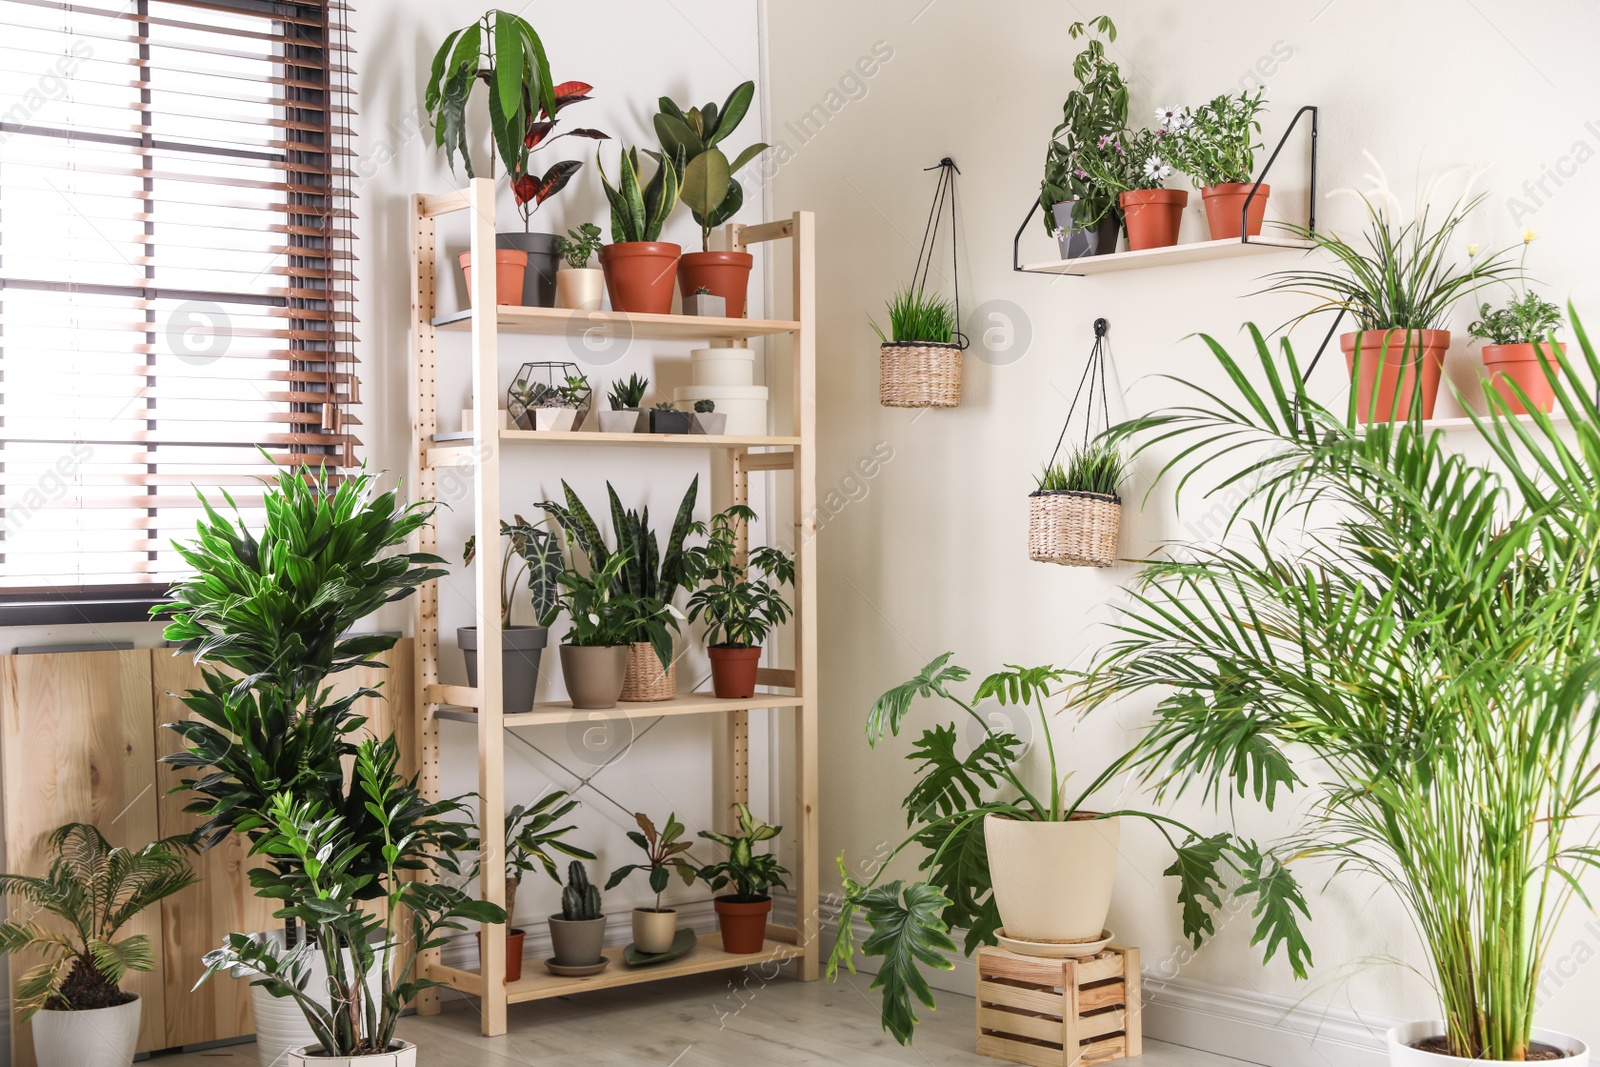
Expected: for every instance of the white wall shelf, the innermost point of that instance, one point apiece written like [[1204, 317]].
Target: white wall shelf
[[1172, 255]]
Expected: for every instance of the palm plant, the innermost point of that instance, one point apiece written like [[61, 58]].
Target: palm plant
[[918, 316], [96, 890], [1432, 647]]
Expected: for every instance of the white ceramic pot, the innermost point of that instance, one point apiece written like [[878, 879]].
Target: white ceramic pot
[[580, 288], [1052, 880], [404, 1054], [555, 420], [653, 931], [628, 420], [281, 1026], [722, 366], [1401, 1054], [98, 1037], [746, 406]]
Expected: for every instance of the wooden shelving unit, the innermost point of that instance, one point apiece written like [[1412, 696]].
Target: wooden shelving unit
[[731, 461]]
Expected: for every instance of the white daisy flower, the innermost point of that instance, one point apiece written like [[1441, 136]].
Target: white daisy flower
[[1165, 115], [1156, 170]]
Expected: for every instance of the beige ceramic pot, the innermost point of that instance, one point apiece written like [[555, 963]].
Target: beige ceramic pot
[[653, 931], [1053, 880]]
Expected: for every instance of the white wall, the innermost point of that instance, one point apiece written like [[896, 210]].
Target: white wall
[[931, 554]]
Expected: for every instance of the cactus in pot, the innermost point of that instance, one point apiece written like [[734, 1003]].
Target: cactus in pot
[[577, 934]]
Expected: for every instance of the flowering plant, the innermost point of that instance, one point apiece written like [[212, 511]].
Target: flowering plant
[[1526, 319], [1123, 161], [1098, 108], [1215, 143]]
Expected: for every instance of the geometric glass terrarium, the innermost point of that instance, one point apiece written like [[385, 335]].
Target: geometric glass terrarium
[[549, 396]]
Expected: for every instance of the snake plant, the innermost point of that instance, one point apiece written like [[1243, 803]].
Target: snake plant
[[638, 211]]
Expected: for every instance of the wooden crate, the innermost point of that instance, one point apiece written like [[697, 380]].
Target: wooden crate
[[1059, 1013]]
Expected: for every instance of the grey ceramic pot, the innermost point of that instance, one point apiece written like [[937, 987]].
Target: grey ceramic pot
[[594, 675], [576, 943], [539, 283], [1075, 243], [520, 650]]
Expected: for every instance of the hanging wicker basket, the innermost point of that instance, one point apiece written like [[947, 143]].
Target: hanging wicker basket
[[919, 374], [1072, 528], [644, 679]]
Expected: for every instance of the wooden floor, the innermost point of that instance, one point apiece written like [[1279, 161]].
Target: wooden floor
[[699, 1021]]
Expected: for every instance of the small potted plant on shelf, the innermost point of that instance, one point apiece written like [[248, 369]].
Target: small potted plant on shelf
[[1215, 145], [664, 418], [703, 304], [705, 419], [742, 914], [626, 399], [1135, 166], [656, 928], [578, 285], [1080, 212], [919, 361], [534, 553], [540, 406], [578, 934], [738, 599], [638, 265], [1075, 513], [594, 658], [1522, 344], [72, 992], [707, 185]]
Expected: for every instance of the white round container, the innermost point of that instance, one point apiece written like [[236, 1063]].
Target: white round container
[[1401, 1054], [723, 367], [746, 406], [96, 1037]]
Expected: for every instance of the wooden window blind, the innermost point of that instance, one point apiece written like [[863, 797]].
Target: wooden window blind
[[175, 271]]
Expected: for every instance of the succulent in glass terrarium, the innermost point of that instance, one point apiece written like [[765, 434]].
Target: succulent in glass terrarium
[[549, 396]]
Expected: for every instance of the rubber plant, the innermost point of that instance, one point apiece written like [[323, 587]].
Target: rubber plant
[[504, 52], [912, 922], [638, 211], [706, 178]]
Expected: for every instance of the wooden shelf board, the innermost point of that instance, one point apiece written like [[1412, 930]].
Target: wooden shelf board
[[514, 319], [1193, 252], [450, 449], [684, 704], [706, 956]]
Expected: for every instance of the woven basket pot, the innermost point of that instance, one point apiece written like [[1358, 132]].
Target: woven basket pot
[[919, 374], [644, 679], [1073, 529]]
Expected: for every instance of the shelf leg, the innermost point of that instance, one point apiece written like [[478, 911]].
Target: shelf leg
[[805, 548]]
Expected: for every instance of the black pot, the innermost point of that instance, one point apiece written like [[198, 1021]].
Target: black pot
[[669, 422], [520, 651], [1075, 242], [539, 283]]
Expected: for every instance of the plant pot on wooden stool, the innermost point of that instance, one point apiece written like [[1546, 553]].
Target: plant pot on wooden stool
[[1072, 528], [1076, 242], [594, 674], [1520, 364], [1053, 880], [1392, 369], [1152, 216], [510, 268], [94, 1037], [733, 672], [919, 374], [644, 680], [521, 649], [400, 1054], [640, 275], [1225, 204], [725, 274], [742, 923]]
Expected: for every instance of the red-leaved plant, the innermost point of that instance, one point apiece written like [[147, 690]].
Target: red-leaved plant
[[532, 190]]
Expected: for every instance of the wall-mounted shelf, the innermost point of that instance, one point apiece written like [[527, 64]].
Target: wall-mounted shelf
[[1464, 422], [562, 321]]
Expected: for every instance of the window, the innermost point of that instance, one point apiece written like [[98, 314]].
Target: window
[[175, 254]]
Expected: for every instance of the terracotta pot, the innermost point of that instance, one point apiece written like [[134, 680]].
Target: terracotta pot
[[594, 674], [1052, 880], [653, 930], [1520, 364], [539, 281], [733, 672], [743, 924], [576, 942], [509, 268], [1153, 216], [726, 274], [580, 288], [400, 1054], [1401, 1054], [95, 1037], [1225, 203], [1388, 375], [639, 275]]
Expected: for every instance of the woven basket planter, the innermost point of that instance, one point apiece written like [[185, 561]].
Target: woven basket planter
[[644, 679], [1073, 529], [917, 374]]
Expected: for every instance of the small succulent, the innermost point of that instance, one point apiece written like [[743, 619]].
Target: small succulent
[[573, 391], [628, 395], [580, 900], [705, 407], [664, 406], [704, 290]]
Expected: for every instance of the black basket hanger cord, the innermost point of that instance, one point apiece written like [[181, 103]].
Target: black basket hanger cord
[[944, 190], [1094, 371]]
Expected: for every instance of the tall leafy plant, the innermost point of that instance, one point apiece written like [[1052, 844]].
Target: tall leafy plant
[[1433, 646], [531, 836], [537, 553], [1092, 116], [738, 597], [531, 189], [639, 209], [705, 176], [503, 51]]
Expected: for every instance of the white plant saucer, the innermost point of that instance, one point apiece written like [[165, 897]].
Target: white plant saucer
[[1053, 949]]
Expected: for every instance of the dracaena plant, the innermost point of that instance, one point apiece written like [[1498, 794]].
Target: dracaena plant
[[664, 853], [95, 890], [531, 190], [1431, 647], [537, 555], [706, 178], [912, 922], [639, 209], [752, 874], [505, 53], [1093, 112], [738, 599]]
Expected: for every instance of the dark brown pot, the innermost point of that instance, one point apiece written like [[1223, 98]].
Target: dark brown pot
[[1520, 364], [726, 274], [639, 275], [1152, 216], [1388, 377], [743, 925], [733, 672], [1225, 203]]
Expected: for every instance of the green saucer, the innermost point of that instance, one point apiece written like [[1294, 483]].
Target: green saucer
[[681, 944]]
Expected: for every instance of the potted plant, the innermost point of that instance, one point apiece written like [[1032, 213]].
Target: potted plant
[[535, 405], [703, 303], [594, 658], [1082, 214], [1032, 865], [368, 848], [705, 419], [1075, 513], [80, 1015], [1399, 290], [626, 399], [919, 361], [1215, 145], [578, 285], [738, 599], [638, 265], [742, 914], [534, 553], [707, 185], [1433, 659], [655, 928], [664, 418], [578, 934], [1522, 342], [1135, 166]]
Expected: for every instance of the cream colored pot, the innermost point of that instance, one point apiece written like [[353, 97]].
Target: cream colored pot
[[403, 1054], [1053, 880], [653, 931], [580, 288], [98, 1037]]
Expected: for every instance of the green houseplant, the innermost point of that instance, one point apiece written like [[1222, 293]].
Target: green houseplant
[[577, 934], [1034, 861], [1134, 167], [73, 996], [664, 852], [594, 657], [626, 401], [1521, 334], [739, 599], [742, 914], [1080, 211], [532, 553], [579, 286], [708, 186], [1430, 647], [638, 265], [919, 359], [1216, 145], [1075, 513]]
